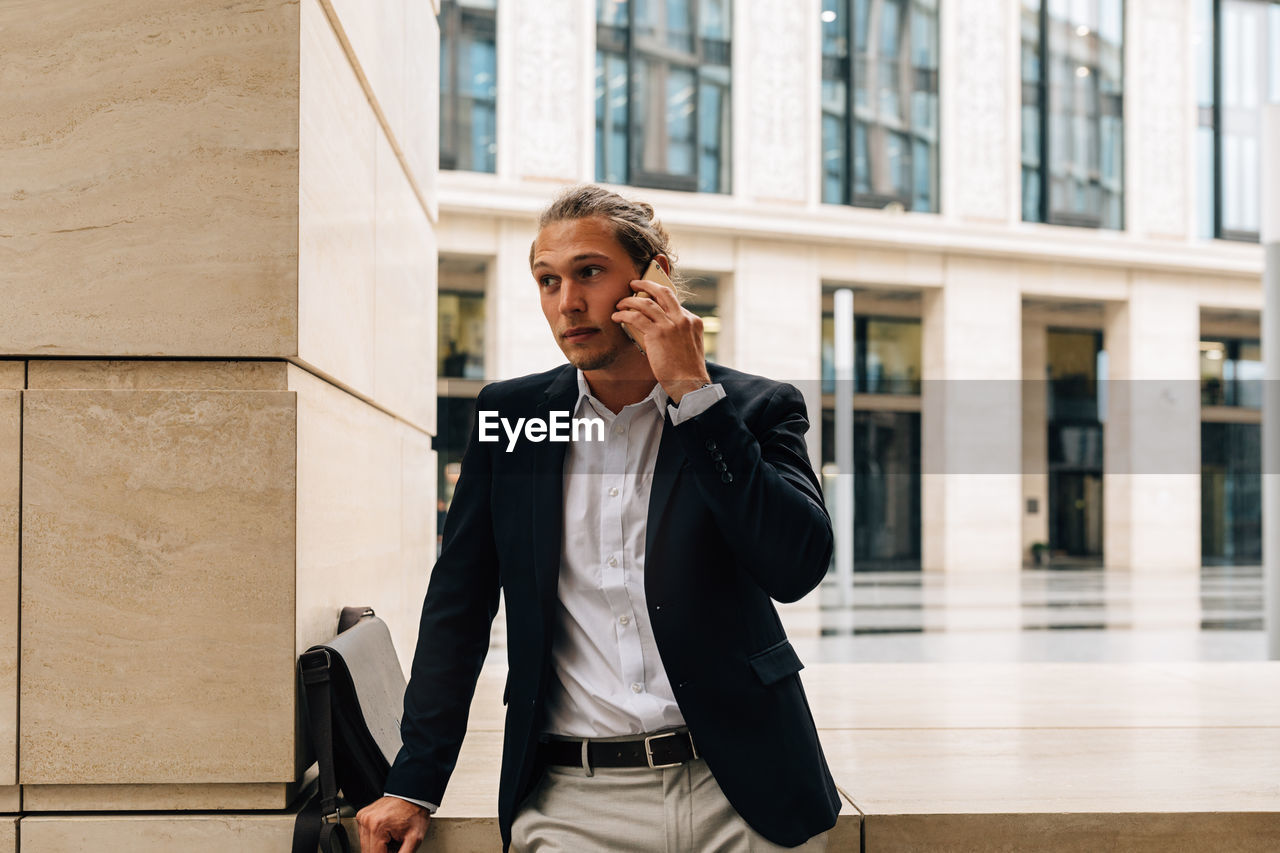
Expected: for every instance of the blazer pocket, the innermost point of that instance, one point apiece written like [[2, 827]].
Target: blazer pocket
[[776, 662]]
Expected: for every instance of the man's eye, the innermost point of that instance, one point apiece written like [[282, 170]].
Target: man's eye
[[546, 281], [591, 272]]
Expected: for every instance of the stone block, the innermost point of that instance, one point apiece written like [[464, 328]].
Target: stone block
[[13, 374], [376, 34], [8, 835], [174, 797], [10, 495], [1108, 776], [159, 833], [158, 558], [335, 209], [404, 378], [10, 798], [1151, 832], [366, 522], [151, 177], [420, 138], [67, 374]]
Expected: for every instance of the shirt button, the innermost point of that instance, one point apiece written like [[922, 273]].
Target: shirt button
[[636, 688], [613, 561], [619, 429], [624, 619], [613, 493]]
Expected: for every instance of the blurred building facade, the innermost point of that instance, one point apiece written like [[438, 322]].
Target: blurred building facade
[[1047, 212]]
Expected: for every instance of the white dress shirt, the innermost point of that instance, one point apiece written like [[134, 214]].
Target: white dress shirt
[[609, 677]]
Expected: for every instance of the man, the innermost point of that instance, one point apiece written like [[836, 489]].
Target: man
[[653, 701]]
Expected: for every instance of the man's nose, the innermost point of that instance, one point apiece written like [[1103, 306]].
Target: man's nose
[[572, 298]]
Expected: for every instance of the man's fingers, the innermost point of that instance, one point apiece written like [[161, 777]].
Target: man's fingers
[[411, 841], [647, 307], [634, 319], [663, 295]]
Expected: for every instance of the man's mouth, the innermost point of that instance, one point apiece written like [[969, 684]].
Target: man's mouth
[[579, 334]]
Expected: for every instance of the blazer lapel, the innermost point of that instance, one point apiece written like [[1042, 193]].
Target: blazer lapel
[[665, 472], [548, 488]]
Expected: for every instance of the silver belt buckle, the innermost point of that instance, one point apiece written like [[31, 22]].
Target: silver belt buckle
[[648, 751]]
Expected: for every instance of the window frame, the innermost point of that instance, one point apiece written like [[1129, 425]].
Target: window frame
[[1044, 209], [454, 20], [843, 72], [1215, 124], [620, 41]]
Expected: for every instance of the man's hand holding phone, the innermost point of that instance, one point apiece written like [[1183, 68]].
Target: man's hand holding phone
[[667, 333]]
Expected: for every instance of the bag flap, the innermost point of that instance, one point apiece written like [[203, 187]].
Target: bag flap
[[370, 659], [776, 662]]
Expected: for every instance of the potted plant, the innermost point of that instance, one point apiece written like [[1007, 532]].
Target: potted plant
[[1040, 553]]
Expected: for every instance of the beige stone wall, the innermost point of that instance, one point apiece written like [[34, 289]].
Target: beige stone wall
[[11, 378], [244, 194], [151, 178]]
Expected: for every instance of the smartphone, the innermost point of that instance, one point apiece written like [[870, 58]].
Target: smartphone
[[653, 273]]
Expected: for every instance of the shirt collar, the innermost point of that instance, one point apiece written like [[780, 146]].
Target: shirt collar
[[658, 396]]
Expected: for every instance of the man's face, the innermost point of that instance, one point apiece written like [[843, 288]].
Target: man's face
[[582, 271]]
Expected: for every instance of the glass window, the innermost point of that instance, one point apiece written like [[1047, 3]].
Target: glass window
[[1231, 493], [1231, 373], [468, 85], [1073, 112], [662, 93], [705, 302], [460, 321], [884, 95], [886, 484], [460, 366], [1238, 71], [887, 355]]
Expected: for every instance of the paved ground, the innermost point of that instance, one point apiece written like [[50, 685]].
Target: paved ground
[[1214, 614]]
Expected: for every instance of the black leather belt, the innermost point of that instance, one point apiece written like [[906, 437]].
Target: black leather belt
[[666, 749]]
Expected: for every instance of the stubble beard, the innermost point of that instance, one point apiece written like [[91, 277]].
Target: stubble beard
[[594, 360]]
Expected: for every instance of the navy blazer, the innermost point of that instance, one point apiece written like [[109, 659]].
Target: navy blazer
[[719, 546]]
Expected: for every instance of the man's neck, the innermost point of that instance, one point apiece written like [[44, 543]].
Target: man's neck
[[620, 386]]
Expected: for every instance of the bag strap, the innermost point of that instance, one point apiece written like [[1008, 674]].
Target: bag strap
[[315, 678], [311, 833]]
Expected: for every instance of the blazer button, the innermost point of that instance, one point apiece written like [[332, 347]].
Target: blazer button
[[711, 444], [720, 466], [726, 477], [717, 456]]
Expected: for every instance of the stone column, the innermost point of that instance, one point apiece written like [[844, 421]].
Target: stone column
[[757, 313], [1151, 479], [979, 93], [546, 74], [1035, 438], [217, 395], [972, 420], [1271, 401], [523, 340]]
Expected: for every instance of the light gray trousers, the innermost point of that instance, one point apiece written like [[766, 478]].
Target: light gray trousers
[[673, 810]]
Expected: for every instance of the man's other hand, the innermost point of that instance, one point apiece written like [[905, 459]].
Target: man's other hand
[[392, 819]]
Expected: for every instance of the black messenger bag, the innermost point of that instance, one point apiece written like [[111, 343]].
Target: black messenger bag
[[354, 692]]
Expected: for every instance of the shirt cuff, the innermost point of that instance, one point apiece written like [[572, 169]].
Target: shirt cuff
[[695, 403], [430, 807]]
